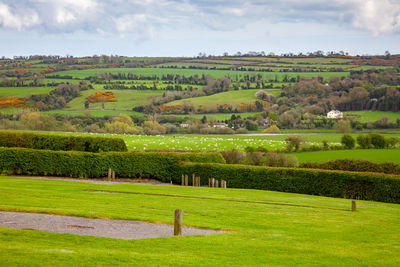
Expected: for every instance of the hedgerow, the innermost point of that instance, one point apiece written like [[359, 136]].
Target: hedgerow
[[162, 166], [65, 143], [357, 165], [367, 186]]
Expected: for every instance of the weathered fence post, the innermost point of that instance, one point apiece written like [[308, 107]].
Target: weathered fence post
[[216, 183], [183, 180], [109, 174], [209, 182], [113, 175], [186, 180], [198, 181], [212, 182], [193, 179], [178, 223], [353, 205]]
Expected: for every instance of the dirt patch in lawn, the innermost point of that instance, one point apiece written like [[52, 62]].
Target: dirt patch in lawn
[[121, 229]]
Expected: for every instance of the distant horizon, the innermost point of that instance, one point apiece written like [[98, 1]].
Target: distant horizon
[[269, 54]]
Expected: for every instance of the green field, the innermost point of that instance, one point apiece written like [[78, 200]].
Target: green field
[[80, 74], [219, 142], [375, 155], [16, 92], [371, 116], [220, 116], [95, 113], [267, 228], [234, 98], [126, 99]]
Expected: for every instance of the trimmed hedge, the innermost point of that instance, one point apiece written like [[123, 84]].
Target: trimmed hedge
[[367, 186], [64, 143], [357, 165], [161, 166]]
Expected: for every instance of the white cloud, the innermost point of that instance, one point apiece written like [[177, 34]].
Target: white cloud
[[11, 20], [377, 16]]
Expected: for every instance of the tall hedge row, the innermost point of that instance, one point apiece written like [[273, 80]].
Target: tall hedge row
[[367, 186], [357, 165], [162, 166], [65, 143]]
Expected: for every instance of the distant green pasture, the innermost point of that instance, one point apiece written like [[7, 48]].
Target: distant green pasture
[[371, 116], [126, 99], [11, 92], [80, 74], [233, 98]]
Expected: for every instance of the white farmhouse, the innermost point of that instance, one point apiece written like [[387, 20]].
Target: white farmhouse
[[334, 114]]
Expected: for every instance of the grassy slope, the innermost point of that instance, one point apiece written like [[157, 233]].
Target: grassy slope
[[231, 97], [23, 91], [375, 155], [371, 116], [302, 232]]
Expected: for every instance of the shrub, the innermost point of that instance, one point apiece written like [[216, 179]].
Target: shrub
[[157, 165], [241, 131], [348, 141], [378, 141], [354, 165], [293, 142], [364, 141], [367, 186], [272, 129], [56, 142]]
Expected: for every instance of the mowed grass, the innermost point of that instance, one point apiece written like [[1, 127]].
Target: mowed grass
[[234, 98], [267, 228], [16, 92], [374, 155], [126, 99], [81, 74], [371, 116]]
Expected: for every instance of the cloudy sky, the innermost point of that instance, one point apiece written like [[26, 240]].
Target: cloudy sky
[[187, 27]]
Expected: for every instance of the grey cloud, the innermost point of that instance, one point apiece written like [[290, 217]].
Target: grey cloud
[[143, 19]]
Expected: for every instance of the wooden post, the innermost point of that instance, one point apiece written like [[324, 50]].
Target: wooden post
[[113, 175], [193, 179], [216, 183], [353, 205], [209, 182], [183, 180], [212, 182], [178, 223], [186, 180], [109, 174], [198, 181]]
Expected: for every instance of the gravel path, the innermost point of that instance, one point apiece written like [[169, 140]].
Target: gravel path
[[121, 229]]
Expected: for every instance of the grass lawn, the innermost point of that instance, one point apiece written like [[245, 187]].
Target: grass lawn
[[23, 91], [375, 155], [371, 116], [281, 229]]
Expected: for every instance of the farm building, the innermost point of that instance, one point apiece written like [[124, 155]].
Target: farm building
[[334, 114], [220, 125]]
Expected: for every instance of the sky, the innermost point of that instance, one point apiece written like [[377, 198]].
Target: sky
[[189, 27]]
